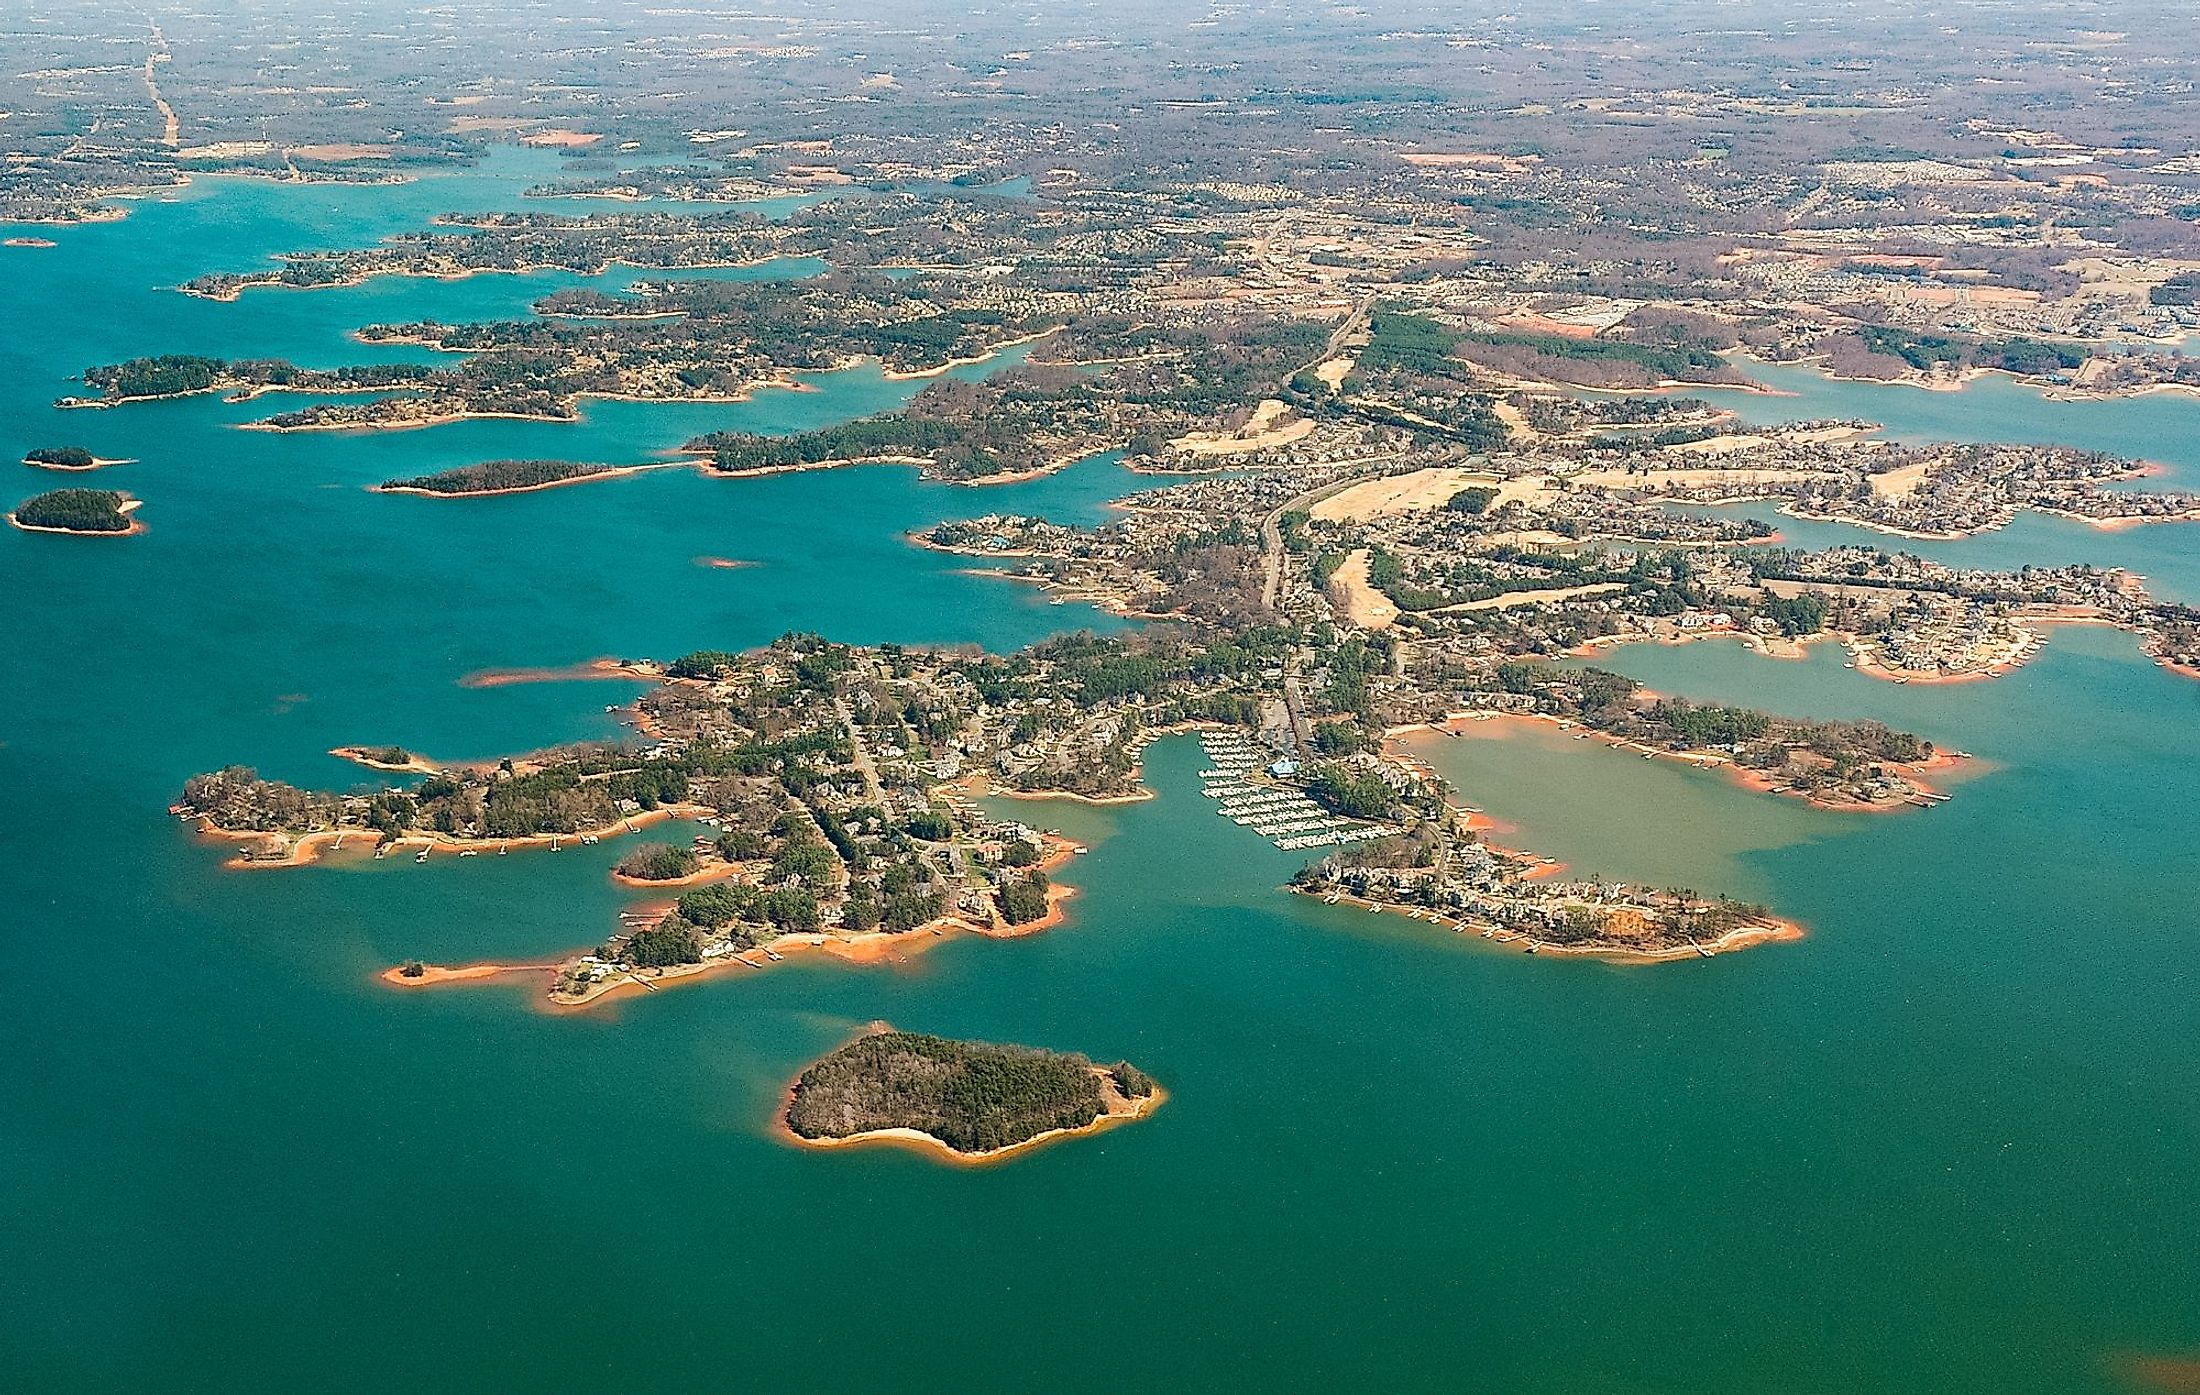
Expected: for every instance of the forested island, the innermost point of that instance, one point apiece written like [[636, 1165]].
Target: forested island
[[90, 511], [64, 458], [504, 477], [971, 1100]]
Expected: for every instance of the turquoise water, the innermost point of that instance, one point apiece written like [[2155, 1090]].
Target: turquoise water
[[1945, 1143], [2160, 427], [2163, 553]]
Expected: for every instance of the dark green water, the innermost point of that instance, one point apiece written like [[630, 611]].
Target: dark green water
[[1946, 1143]]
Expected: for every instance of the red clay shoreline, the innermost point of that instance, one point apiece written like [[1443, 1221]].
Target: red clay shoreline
[[854, 947], [1771, 929]]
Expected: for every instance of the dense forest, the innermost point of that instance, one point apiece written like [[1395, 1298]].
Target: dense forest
[[164, 376], [973, 1096], [76, 510], [61, 457]]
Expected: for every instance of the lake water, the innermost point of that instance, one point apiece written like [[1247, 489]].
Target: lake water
[[1948, 1142]]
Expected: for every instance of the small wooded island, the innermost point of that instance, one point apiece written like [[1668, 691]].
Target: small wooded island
[[503, 477], [64, 458], [99, 512], [966, 1101]]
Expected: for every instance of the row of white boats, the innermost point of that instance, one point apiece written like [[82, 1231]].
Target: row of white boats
[[1279, 813]]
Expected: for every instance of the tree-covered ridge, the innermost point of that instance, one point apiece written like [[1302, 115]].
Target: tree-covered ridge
[[975, 1097], [492, 476], [1597, 361], [1501, 571], [76, 511]]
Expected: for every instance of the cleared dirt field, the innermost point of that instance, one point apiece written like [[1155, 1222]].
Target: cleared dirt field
[[1362, 604], [1267, 427], [1410, 493]]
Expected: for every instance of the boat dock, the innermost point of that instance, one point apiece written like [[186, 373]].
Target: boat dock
[[1283, 814]]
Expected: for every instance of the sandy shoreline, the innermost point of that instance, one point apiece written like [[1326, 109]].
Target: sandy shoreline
[[413, 764], [702, 876], [1864, 657], [922, 463], [805, 466], [867, 947], [2120, 522], [1111, 601], [1395, 746], [128, 508], [431, 974], [136, 527], [405, 424], [2048, 390], [981, 786], [589, 477], [909, 375], [312, 846], [848, 946], [98, 463], [863, 947], [593, 670], [1057, 913], [230, 293], [1771, 930]]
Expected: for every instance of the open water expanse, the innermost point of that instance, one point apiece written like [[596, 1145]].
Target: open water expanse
[[1949, 1142]]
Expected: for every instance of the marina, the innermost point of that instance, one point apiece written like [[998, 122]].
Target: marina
[[1238, 778]]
